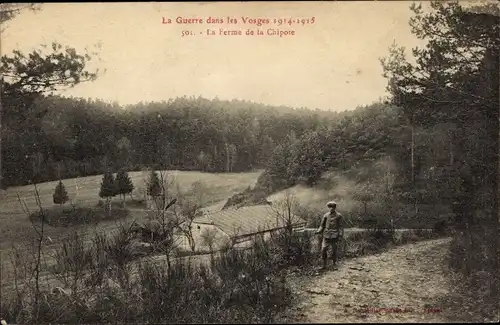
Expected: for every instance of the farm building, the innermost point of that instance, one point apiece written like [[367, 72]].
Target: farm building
[[237, 226]]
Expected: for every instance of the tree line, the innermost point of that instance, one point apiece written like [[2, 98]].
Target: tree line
[[48, 137]]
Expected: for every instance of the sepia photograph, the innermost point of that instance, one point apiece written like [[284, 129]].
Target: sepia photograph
[[249, 162]]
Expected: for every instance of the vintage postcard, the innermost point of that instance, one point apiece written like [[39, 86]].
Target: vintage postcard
[[250, 162]]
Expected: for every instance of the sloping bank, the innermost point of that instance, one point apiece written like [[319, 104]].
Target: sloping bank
[[409, 283]]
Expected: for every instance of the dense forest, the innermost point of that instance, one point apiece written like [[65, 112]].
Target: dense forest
[[58, 137]]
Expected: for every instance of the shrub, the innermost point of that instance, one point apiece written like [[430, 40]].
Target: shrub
[[60, 195], [108, 186], [311, 215], [293, 249], [71, 216], [440, 227], [247, 198], [137, 203]]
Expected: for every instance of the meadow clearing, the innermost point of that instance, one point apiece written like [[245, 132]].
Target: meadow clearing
[[84, 192], [17, 229]]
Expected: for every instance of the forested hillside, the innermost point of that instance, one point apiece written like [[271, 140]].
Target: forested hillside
[[59, 137], [67, 137]]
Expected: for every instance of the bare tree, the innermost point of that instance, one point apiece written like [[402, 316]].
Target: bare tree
[[188, 208], [185, 215], [209, 238], [72, 260], [9, 11], [36, 248], [365, 192], [160, 230], [284, 210], [199, 191]]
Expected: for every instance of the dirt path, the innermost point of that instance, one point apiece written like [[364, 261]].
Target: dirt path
[[371, 289]]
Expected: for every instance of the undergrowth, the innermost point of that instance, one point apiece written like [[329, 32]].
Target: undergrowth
[[476, 278], [103, 282]]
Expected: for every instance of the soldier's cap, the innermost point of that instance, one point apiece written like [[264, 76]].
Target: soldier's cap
[[331, 204]]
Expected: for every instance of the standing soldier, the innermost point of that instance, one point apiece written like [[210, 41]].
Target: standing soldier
[[332, 229]]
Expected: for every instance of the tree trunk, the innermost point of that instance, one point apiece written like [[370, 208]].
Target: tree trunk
[[191, 241], [451, 152], [413, 168], [228, 157], [1, 113], [492, 64], [169, 264], [109, 206]]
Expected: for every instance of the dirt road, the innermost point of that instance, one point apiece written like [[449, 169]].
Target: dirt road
[[405, 284]]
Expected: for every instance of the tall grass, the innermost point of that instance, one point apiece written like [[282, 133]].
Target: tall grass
[[101, 283]]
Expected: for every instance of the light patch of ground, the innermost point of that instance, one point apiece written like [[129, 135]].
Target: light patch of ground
[[332, 187], [369, 289]]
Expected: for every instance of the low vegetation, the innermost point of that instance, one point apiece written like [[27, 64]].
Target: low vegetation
[[139, 273], [474, 275], [107, 281], [74, 215]]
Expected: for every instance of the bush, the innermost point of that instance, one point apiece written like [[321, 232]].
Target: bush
[[440, 227], [138, 203], [311, 215], [293, 249], [247, 198], [71, 216], [60, 195], [238, 287]]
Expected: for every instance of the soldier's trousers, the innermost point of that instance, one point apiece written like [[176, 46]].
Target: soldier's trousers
[[329, 244]]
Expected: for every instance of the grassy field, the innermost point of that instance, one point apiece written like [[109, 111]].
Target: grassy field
[[84, 192]]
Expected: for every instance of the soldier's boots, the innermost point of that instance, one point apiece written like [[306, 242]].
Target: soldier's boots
[[325, 266]]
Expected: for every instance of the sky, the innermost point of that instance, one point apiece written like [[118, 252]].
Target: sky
[[331, 64]]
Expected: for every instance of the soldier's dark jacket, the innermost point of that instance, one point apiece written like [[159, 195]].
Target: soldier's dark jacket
[[331, 224]]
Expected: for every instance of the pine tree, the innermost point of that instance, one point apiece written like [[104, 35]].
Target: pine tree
[[124, 184], [154, 187], [108, 188], [60, 195]]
